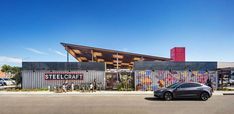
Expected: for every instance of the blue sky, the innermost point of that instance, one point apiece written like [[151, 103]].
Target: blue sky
[[32, 30]]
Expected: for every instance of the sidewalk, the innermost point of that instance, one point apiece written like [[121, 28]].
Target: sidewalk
[[97, 93], [100, 93]]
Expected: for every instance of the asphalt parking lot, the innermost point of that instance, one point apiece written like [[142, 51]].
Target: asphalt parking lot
[[138, 104]]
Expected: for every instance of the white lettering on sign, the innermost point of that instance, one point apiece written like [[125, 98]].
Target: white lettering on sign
[[64, 76]]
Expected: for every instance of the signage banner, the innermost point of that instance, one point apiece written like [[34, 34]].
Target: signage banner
[[64, 76]]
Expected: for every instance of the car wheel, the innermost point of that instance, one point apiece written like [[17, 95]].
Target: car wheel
[[204, 96], [168, 96]]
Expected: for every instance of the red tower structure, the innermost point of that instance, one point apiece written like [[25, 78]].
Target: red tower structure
[[178, 54]]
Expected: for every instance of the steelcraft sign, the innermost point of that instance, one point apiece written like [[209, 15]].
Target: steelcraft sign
[[64, 76]]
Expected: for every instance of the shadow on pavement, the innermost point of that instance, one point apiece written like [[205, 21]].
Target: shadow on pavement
[[158, 99], [153, 99]]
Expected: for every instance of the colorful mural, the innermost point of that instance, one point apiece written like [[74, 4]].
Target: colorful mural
[[152, 80]]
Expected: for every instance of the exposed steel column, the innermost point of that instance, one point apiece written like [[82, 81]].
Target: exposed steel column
[[67, 54], [142, 58], [92, 54], [117, 61]]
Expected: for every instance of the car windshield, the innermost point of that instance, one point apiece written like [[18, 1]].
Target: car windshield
[[173, 85], [6, 79]]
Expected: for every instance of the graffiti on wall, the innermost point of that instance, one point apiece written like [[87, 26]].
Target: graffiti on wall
[[152, 80]]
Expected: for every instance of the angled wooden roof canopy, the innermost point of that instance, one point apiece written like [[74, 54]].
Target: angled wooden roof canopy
[[112, 58]]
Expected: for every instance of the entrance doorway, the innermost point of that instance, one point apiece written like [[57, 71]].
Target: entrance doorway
[[226, 77], [122, 80], [111, 80]]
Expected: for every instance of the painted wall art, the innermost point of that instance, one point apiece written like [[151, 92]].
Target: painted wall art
[[149, 80]]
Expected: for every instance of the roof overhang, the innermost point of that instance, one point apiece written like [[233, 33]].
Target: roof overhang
[[112, 58]]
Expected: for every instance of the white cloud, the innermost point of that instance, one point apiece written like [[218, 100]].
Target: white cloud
[[125, 49], [10, 61], [36, 51], [58, 53]]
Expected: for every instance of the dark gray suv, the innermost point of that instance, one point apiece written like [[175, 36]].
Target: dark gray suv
[[184, 90]]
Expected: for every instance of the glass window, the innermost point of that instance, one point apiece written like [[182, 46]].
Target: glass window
[[173, 85], [188, 85], [194, 85]]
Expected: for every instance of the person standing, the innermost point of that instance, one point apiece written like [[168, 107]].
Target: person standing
[[91, 87], [209, 83], [95, 85], [64, 87], [72, 86]]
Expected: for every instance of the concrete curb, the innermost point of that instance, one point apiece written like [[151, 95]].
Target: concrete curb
[[228, 93]]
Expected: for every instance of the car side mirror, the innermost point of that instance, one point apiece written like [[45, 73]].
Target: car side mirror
[[178, 88]]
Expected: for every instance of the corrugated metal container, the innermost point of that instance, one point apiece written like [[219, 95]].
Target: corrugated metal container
[[36, 79], [148, 80], [177, 66], [151, 75], [33, 73]]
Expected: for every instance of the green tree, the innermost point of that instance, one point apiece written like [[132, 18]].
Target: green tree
[[15, 70], [18, 78], [6, 68], [10, 69]]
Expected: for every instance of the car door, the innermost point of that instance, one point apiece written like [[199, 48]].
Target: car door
[[195, 90], [182, 91], [187, 90]]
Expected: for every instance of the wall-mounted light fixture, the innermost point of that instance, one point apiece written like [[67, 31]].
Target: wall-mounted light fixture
[[136, 58], [118, 56]]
